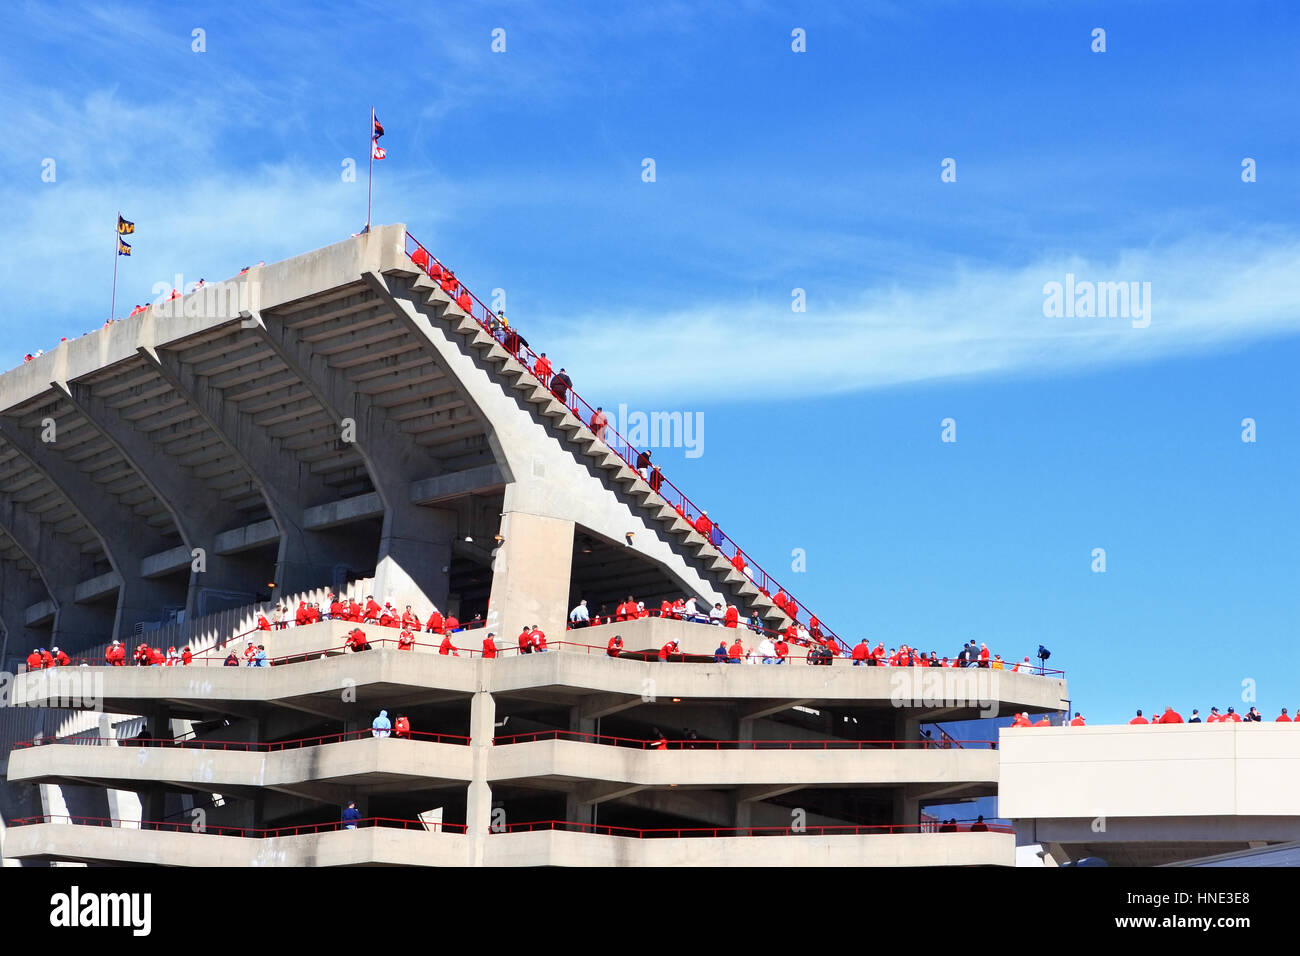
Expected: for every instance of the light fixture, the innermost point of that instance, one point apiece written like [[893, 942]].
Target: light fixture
[[497, 538], [468, 539], [629, 535], [677, 700], [270, 584]]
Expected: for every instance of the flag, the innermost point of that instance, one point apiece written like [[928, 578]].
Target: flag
[[376, 151], [124, 228], [122, 248]]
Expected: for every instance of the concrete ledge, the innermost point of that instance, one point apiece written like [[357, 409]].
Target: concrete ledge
[[346, 511], [165, 562], [243, 539], [561, 848], [41, 612], [96, 588]]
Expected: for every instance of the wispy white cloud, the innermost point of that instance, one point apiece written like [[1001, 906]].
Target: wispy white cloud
[[1206, 293]]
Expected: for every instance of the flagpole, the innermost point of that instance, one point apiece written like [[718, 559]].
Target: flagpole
[[116, 239], [371, 178]]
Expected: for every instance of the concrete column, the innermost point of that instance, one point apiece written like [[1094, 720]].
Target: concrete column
[[478, 799], [530, 575], [414, 547]]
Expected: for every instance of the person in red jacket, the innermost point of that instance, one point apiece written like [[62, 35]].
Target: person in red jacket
[[410, 620], [1170, 716], [300, 616], [34, 660], [489, 647], [782, 600], [538, 640], [402, 728], [450, 623], [115, 656], [543, 369], [525, 641], [984, 655], [1078, 720], [732, 617], [1232, 717], [405, 641], [1021, 720], [665, 608], [782, 649], [60, 658], [447, 647], [435, 623], [615, 646], [1139, 719], [1283, 718], [667, 649], [186, 656], [1044, 721], [356, 641], [262, 623], [388, 617], [737, 651], [156, 656], [738, 561], [371, 613], [704, 526]]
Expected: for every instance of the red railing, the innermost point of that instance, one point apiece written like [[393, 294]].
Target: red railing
[[188, 826], [670, 493], [194, 743], [680, 832], [829, 744]]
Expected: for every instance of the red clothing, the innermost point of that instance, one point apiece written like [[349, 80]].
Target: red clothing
[[450, 623], [1045, 722], [703, 525], [1020, 721], [737, 650], [1170, 716], [1283, 719], [447, 647], [598, 424], [372, 610], [186, 656], [782, 648], [464, 302], [860, 652], [615, 645], [62, 660], [669, 648], [262, 623], [387, 620], [538, 639], [1214, 718], [303, 615], [405, 641], [489, 648], [338, 610], [1077, 722], [34, 661], [434, 623], [543, 370], [738, 562], [731, 618], [156, 656], [525, 642], [410, 621], [781, 600], [402, 728], [354, 612], [1139, 720], [1234, 717]]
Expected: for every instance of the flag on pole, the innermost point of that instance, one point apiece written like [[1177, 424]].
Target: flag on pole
[[123, 249], [124, 228], [377, 151]]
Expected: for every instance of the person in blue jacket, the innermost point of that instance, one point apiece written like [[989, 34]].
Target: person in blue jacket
[[381, 725], [351, 815]]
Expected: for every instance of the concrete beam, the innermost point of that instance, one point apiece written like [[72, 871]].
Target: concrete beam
[[458, 484], [197, 514], [349, 510], [125, 539]]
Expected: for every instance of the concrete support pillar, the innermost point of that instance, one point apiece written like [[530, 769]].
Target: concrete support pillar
[[530, 575], [478, 799], [414, 547]]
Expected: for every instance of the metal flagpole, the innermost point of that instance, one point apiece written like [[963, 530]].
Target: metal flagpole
[[371, 179], [116, 239]]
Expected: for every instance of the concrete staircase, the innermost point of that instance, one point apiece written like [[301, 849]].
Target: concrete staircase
[[514, 375]]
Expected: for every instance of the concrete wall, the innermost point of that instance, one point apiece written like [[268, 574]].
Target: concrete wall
[[543, 848], [1163, 770]]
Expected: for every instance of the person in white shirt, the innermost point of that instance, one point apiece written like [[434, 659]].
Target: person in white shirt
[[691, 612], [579, 616], [767, 650], [753, 657], [717, 615]]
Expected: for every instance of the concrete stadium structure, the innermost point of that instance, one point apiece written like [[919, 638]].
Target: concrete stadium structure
[[1151, 794], [338, 420]]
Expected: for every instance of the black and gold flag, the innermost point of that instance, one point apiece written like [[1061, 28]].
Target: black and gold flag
[[123, 249], [124, 228]]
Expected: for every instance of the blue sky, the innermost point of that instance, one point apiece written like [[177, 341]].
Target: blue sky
[[778, 170]]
